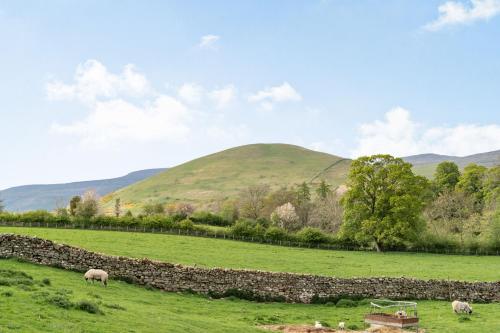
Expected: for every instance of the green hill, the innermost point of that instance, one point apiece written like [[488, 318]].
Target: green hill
[[225, 173]]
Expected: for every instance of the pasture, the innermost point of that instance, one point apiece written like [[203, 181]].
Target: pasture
[[129, 308], [234, 254]]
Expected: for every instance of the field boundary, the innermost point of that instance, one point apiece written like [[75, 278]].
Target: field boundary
[[251, 284], [223, 235]]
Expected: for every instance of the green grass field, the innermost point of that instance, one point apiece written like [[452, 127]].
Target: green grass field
[[142, 310], [225, 173], [233, 254]]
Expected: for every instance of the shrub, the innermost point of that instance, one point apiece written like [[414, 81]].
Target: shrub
[[312, 236], [88, 306], [346, 303], [7, 293], [243, 228], [46, 281], [275, 233], [203, 217], [186, 224], [61, 301]]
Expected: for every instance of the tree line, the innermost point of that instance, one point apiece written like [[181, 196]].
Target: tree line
[[383, 205]]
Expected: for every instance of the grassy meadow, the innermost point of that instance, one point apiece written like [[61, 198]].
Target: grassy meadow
[[129, 308], [234, 254]]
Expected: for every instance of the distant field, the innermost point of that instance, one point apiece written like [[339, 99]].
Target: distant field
[[233, 254], [26, 310]]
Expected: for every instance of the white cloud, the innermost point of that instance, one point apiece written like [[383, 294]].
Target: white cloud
[[93, 80], [191, 93], [208, 41], [269, 96], [456, 12], [223, 97], [398, 135], [116, 121]]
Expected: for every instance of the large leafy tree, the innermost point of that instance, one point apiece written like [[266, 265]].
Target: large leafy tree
[[384, 202], [472, 182], [446, 176]]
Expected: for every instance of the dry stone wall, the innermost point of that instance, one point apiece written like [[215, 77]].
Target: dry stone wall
[[300, 288]]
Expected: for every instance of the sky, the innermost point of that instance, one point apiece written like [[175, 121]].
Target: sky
[[96, 89]]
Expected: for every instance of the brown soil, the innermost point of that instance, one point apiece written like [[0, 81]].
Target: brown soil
[[312, 329]]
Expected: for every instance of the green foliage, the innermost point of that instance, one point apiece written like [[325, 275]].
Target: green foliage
[[324, 189], [303, 193], [88, 306], [151, 209], [346, 303], [276, 234], [8, 293], [203, 217], [88, 207], [61, 301], [384, 202], [446, 176], [73, 204], [312, 236], [471, 183]]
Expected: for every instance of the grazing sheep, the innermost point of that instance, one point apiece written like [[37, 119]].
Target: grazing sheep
[[317, 324], [401, 314], [341, 326], [97, 274], [461, 307]]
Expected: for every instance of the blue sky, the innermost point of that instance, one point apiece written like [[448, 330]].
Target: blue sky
[[95, 89]]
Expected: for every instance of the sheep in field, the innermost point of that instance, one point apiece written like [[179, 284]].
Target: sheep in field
[[401, 314], [97, 274], [461, 307]]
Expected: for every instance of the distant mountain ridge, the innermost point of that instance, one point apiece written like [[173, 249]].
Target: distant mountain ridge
[[425, 164], [48, 196], [487, 159]]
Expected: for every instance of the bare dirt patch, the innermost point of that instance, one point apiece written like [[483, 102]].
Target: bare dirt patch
[[312, 329]]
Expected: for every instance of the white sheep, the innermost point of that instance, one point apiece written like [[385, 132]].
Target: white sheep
[[97, 274], [317, 324], [461, 307], [401, 314], [341, 326]]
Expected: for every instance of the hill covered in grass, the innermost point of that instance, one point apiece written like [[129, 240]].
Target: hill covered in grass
[[226, 173]]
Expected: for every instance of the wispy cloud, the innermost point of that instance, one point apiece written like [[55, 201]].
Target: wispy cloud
[[267, 97], [457, 13], [223, 97], [399, 135], [208, 41]]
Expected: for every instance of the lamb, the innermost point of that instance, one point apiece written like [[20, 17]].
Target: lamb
[[97, 274], [317, 324], [461, 307], [341, 326]]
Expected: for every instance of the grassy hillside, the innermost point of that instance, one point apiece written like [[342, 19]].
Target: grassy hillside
[[233, 254], [129, 308], [48, 196], [225, 173], [425, 164]]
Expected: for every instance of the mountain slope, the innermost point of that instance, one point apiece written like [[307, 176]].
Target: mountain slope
[[225, 173], [425, 164], [32, 197]]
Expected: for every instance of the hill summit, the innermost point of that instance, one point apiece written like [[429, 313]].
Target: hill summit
[[226, 173]]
